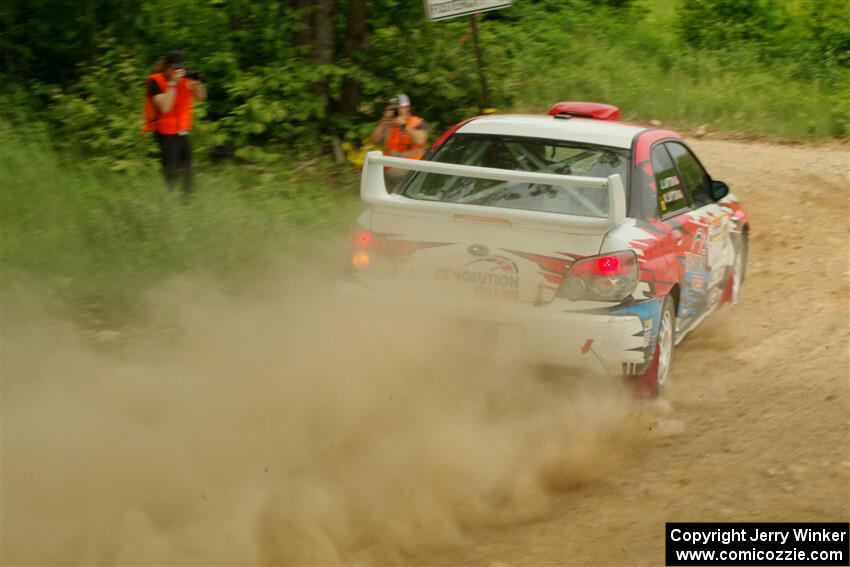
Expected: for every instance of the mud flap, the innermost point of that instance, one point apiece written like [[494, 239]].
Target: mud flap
[[645, 386]]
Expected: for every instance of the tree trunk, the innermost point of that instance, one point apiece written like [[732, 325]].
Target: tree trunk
[[304, 38], [322, 49], [356, 40], [317, 37]]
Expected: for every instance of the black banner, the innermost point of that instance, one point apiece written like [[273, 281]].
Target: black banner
[[753, 543]]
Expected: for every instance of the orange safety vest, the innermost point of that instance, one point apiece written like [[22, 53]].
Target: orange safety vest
[[398, 142], [176, 120]]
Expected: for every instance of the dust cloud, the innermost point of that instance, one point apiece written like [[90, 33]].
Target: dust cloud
[[279, 427]]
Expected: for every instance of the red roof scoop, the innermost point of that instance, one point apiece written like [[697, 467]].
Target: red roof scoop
[[595, 110]]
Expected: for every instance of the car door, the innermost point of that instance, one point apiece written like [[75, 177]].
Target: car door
[[709, 216], [687, 237]]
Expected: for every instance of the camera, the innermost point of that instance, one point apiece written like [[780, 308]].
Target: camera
[[193, 74], [393, 110]]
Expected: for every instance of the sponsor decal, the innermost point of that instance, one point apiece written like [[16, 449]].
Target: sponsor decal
[[715, 229], [697, 283], [674, 195], [696, 271], [695, 262], [494, 264], [698, 244], [493, 276], [671, 181]]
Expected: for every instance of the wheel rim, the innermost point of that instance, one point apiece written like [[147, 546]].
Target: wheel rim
[[738, 272], [665, 346]]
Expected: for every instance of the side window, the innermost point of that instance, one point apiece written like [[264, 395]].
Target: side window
[[669, 187], [694, 178]]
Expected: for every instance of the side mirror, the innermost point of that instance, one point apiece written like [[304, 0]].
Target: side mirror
[[718, 190]]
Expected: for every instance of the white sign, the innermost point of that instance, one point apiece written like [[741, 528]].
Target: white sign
[[444, 9]]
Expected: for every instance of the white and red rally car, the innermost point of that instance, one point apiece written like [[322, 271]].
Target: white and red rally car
[[583, 241]]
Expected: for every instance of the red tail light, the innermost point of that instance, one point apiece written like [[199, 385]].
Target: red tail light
[[610, 277], [362, 238], [367, 248], [608, 265]]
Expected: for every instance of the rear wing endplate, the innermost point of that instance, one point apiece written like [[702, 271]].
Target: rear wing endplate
[[373, 190]]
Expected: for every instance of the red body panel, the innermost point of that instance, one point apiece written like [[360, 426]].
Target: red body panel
[[446, 135]]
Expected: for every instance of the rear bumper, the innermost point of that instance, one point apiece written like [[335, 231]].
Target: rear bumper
[[608, 341]]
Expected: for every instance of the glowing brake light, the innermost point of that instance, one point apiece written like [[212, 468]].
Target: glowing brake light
[[610, 277], [362, 239], [367, 248], [608, 265]]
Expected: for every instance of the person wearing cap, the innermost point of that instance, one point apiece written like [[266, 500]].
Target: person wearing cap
[[168, 114], [401, 133]]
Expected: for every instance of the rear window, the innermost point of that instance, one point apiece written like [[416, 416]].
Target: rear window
[[524, 154]]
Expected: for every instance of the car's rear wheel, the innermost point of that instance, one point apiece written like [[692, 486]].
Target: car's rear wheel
[[652, 381], [666, 342], [740, 268]]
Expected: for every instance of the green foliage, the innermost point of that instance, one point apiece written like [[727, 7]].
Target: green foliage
[[826, 33], [765, 67], [442, 79], [51, 41], [636, 60], [99, 116], [716, 24], [88, 237]]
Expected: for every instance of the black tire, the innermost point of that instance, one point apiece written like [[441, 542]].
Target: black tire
[[668, 319]]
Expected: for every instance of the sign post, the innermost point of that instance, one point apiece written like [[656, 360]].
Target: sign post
[[437, 10], [485, 92]]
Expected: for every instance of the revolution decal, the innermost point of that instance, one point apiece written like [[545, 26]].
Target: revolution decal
[[495, 263], [493, 276]]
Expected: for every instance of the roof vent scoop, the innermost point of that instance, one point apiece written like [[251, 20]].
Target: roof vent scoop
[[594, 110]]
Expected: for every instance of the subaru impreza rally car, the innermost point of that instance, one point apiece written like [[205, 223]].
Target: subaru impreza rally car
[[578, 240]]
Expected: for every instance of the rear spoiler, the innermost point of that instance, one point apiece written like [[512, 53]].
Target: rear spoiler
[[373, 190]]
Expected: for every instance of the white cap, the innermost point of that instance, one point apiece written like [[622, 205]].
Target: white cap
[[402, 100]]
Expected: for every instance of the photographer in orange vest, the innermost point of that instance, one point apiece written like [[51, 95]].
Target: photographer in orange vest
[[168, 114], [401, 133]]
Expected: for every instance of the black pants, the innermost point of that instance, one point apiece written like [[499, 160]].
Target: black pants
[[176, 155]]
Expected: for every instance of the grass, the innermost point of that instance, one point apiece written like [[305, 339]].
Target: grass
[[640, 66], [88, 238]]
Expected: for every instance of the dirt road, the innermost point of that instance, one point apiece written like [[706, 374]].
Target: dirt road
[[267, 429], [762, 391]]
